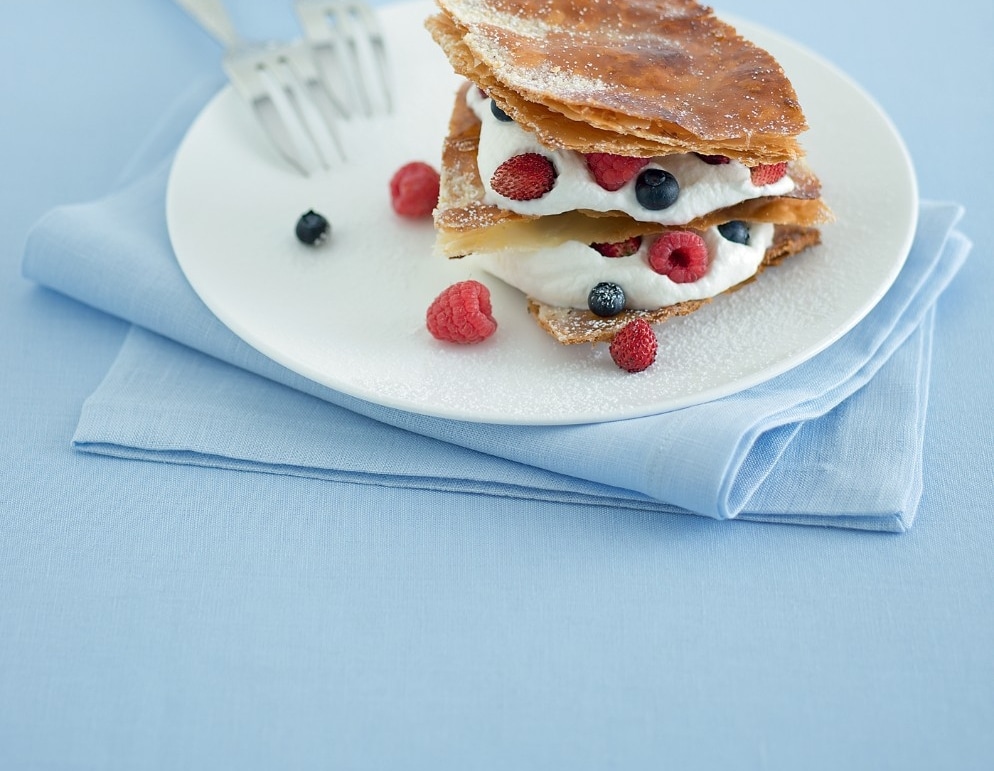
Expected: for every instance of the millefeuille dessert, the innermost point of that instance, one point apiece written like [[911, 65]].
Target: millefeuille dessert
[[618, 159]]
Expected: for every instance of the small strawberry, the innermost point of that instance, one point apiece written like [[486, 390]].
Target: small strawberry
[[681, 255], [611, 172], [414, 190], [634, 347], [524, 177], [461, 314], [768, 173], [619, 248]]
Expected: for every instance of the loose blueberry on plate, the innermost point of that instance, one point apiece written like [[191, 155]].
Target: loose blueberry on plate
[[735, 231], [656, 189], [499, 114], [606, 299], [312, 228]]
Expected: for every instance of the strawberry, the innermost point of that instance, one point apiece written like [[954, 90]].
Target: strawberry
[[634, 347], [768, 173], [619, 248], [681, 255], [461, 314], [414, 190], [611, 172], [524, 177]]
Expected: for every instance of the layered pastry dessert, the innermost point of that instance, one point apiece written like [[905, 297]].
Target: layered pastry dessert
[[618, 159]]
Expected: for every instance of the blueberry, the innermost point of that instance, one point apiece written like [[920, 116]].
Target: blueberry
[[499, 114], [656, 189], [606, 299], [735, 231], [312, 228]]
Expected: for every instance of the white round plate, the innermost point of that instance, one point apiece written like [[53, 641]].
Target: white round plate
[[350, 314]]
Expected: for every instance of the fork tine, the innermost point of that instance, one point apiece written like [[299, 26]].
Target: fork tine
[[347, 41], [268, 102], [374, 34], [281, 85], [328, 43], [276, 82], [314, 103]]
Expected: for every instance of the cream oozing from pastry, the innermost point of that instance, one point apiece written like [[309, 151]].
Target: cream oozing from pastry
[[563, 275], [703, 187]]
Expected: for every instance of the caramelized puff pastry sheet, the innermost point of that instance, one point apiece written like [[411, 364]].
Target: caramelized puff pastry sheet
[[465, 224], [642, 78]]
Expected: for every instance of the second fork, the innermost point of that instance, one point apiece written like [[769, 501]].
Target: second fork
[[281, 85]]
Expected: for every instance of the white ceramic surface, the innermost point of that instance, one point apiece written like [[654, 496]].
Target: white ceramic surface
[[350, 314]]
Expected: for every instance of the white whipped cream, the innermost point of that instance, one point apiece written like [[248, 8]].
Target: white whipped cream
[[564, 275], [703, 187]]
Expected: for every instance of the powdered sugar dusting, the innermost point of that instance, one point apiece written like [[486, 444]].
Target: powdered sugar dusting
[[651, 64]]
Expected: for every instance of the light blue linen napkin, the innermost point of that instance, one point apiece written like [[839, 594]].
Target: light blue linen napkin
[[836, 441]]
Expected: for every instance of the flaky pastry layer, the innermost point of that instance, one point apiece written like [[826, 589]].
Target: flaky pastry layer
[[630, 77]]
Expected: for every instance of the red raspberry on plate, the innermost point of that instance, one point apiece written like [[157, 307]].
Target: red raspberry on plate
[[461, 314], [611, 172], [414, 190], [768, 173], [619, 248], [681, 255], [634, 347], [524, 177]]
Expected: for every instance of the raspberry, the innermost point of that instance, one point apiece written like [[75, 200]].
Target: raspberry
[[524, 177], [714, 160], [611, 172], [680, 254], [461, 314], [414, 190], [768, 173], [634, 347], [619, 248]]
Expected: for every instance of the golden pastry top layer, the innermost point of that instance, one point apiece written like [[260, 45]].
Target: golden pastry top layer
[[630, 77]]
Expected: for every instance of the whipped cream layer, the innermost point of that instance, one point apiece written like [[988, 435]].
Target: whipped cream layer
[[564, 275], [703, 187]]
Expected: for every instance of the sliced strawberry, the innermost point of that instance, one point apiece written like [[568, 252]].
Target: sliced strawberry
[[768, 173], [524, 177]]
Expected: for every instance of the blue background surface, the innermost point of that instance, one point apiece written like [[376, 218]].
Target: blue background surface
[[159, 616]]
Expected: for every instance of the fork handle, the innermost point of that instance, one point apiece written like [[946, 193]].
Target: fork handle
[[214, 18]]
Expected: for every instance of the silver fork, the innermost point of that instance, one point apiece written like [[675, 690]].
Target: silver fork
[[346, 39], [282, 86]]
